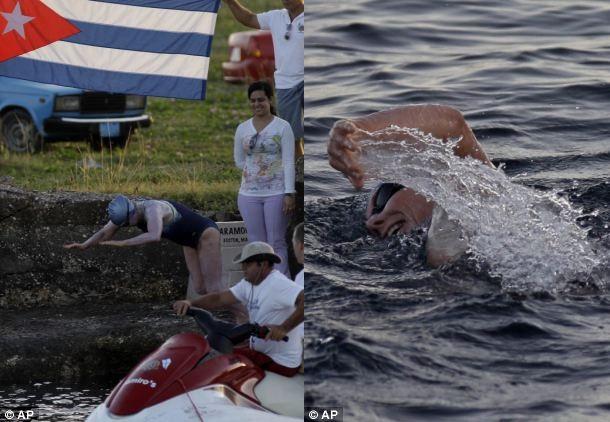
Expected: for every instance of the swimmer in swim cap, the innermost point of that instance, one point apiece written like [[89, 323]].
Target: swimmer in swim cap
[[120, 209], [394, 208], [199, 237]]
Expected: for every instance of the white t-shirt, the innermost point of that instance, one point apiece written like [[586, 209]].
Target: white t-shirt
[[289, 53], [267, 161], [271, 303]]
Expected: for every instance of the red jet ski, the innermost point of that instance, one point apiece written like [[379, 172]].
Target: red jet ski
[[183, 381]]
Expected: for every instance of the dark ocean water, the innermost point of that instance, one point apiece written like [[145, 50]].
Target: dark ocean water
[[520, 328], [51, 402]]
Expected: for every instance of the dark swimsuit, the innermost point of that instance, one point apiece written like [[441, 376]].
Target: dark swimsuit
[[186, 226]]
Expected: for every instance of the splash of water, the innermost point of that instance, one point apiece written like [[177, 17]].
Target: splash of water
[[529, 238]]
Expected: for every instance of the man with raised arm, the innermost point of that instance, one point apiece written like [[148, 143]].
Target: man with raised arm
[[287, 28]]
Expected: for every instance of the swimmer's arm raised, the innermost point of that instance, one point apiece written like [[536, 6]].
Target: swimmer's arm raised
[[154, 227], [344, 151], [105, 233], [440, 121], [344, 148]]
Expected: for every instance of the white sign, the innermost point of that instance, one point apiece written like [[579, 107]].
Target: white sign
[[233, 237], [233, 234]]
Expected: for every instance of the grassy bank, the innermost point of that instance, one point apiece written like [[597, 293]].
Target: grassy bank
[[187, 153]]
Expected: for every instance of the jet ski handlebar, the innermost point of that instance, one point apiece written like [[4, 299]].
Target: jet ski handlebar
[[223, 335]]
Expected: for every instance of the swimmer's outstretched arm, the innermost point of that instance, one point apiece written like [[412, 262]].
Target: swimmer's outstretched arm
[[104, 234], [441, 121], [154, 227]]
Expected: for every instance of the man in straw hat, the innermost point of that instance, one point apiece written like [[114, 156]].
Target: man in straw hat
[[272, 300]]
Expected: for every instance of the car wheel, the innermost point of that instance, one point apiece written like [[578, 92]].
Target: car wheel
[[19, 132]]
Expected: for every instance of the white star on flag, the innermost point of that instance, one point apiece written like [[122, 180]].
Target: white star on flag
[[16, 20]]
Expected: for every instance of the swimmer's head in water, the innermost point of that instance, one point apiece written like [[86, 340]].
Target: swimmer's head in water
[[120, 209], [383, 221], [382, 195], [394, 208]]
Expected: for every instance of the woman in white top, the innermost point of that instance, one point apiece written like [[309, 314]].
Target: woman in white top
[[264, 150]]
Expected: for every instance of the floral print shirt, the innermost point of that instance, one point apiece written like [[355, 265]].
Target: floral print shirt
[[266, 158]]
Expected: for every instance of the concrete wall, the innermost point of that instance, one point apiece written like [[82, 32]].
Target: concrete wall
[[35, 269]]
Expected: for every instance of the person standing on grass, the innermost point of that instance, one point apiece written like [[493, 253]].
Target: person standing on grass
[[199, 237], [287, 28], [264, 150]]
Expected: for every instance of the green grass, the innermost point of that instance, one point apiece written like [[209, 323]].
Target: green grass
[[186, 155]]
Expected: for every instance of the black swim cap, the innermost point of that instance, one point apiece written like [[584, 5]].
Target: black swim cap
[[383, 194]]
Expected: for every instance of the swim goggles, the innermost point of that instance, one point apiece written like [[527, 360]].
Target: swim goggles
[[383, 194]]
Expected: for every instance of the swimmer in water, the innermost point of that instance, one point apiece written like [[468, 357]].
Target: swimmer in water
[[392, 207], [199, 237]]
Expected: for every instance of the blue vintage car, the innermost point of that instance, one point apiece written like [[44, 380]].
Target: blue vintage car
[[32, 113]]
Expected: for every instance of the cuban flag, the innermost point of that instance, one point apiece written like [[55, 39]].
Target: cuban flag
[[148, 47]]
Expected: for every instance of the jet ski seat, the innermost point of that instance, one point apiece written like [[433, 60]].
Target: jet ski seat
[[283, 395]]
